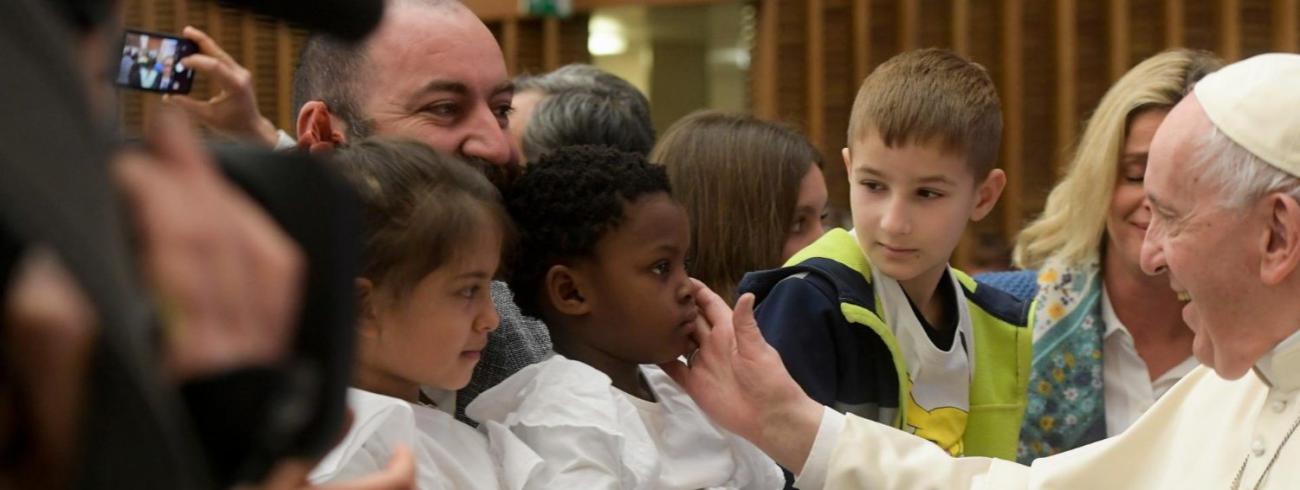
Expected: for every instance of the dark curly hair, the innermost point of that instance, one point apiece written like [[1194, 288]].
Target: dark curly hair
[[565, 202]]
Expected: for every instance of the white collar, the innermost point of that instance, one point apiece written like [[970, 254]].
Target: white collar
[[1116, 327], [1109, 317], [443, 400], [1280, 368]]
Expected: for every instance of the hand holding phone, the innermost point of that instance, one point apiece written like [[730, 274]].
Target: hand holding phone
[[155, 62], [232, 109]]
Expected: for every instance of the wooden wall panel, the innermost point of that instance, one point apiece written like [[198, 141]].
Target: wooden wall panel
[[1117, 38], [1067, 86], [1201, 25], [1146, 31], [936, 24], [1038, 169], [1012, 85], [860, 23], [269, 49], [1052, 62], [1286, 19], [763, 76], [1175, 17], [884, 30], [530, 53], [532, 45], [1229, 28], [792, 63], [815, 46], [1256, 40], [260, 31], [573, 40], [841, 86]]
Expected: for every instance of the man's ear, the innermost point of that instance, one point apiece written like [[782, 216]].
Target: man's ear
[[317, 128], [848, 161], [367, 322], [567, 290], [987, 194], [1281, 250]]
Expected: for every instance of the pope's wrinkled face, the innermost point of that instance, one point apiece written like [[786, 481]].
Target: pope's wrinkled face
[[1208, 249]]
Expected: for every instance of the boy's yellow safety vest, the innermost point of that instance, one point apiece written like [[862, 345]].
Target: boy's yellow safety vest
[[826, 327]]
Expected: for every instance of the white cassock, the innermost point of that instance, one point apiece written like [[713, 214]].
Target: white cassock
[[1206, 432], [448, 454]]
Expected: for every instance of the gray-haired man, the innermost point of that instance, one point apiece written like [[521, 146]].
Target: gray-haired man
[[579, 105]]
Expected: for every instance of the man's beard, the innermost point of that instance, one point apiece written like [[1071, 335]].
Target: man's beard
[[502, 176]]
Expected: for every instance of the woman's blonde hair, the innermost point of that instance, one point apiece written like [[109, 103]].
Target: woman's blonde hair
[[739, 178], [1073, 223]]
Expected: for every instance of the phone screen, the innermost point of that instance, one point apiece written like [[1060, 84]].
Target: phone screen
[[156, 62]]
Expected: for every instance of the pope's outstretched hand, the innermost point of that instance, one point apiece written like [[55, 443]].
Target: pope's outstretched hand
[[741, 383]]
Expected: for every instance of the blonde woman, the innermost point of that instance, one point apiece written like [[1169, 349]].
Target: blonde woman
[[1108, 339], [754, 190]]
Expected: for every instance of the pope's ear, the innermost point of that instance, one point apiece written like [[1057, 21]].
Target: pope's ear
[[1281, 238]]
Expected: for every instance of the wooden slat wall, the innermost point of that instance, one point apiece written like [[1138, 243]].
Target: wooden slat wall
[[268, 48], [1052, 62], [533, 45]]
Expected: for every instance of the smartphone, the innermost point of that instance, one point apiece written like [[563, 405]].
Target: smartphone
[[155, 62]]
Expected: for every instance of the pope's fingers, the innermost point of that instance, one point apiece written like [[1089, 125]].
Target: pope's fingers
[[678, 371], [700, 334], [748, 337], [714, 311]]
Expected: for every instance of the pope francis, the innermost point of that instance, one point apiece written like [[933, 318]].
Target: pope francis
[[1223, 182]]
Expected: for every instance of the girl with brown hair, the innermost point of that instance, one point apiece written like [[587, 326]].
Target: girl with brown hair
[[754, 191]]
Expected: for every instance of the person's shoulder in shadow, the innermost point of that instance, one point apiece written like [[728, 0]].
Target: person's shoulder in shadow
[[1023, 284]]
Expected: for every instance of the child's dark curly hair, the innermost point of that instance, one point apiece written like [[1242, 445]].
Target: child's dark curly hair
[[564, 202]]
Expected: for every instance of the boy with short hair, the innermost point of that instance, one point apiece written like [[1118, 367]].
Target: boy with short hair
[[874, 322], [602, 261]]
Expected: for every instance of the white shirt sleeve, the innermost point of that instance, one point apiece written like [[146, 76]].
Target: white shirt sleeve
[[813, 475], [284, 141]]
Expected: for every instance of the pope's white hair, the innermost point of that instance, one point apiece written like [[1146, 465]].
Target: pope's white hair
[[1240, 176]]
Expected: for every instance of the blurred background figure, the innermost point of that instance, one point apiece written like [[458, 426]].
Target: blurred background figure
[[579, 104], [120, 353], [754, 190]]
